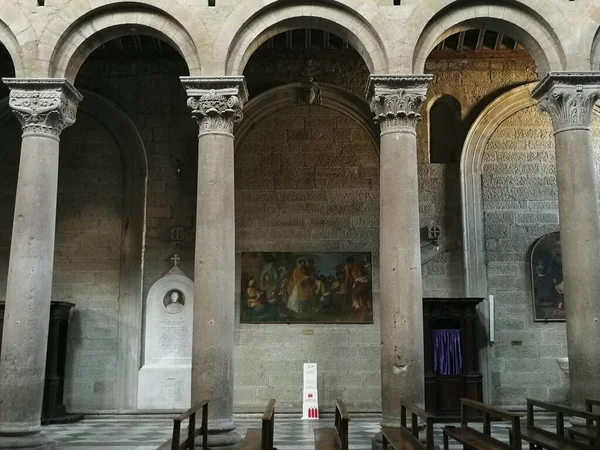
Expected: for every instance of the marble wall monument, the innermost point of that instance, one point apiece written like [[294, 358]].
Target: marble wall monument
[[165, 377]]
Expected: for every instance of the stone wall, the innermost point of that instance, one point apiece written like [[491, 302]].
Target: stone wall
[[307, 179], [87, 251], [521, 205]]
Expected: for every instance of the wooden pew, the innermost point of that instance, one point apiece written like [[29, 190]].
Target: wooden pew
[[539, 438], [404, 438], [174, 443], [262, 438], [334, 438], [475, 439], [589, 431]]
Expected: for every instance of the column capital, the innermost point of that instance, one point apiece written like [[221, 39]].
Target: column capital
[[569, 98], [216, 102], [44, 106], [396, 100]]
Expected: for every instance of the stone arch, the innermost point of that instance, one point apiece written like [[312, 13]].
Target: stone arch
[[17, 35], [286, 96], [595, 55], [520, 23], [269, 21], [135, 166], [86, 34], [471, 167]]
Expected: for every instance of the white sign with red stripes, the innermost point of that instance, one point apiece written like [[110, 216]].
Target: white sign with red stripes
[[310, 400]]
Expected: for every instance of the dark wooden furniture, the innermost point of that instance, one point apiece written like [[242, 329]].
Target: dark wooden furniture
[[539, 438], [404, 438], [334, 438], [443, 392], [53, 408], [475, 439], [262, 438], [589, 430], [190, 415]]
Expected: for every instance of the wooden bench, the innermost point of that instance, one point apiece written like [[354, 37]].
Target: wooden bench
[[262, 438], [539, 438], [475, 439], [404, 438], [334, 438], [174, 443], [590, 430]]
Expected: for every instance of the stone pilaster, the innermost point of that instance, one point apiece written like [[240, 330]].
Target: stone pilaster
[[569, 99], [396, 101], [44, 107], [216, 104]]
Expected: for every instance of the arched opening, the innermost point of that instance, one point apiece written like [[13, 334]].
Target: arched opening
[[445, 121], [526, 27], [280, 18], [11, 138], [104, 24], [307, 181], [121, 189]]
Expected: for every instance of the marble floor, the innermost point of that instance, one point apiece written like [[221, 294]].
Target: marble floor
[[147, 433]]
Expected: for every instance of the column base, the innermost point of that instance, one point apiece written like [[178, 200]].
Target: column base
[[377, 442], [35, 441], [221, 437]]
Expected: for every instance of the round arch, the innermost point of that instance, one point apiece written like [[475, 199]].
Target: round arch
[[135, 167], [519, 23], [101, 25], [274, 20], [595, 55], [9, 41], [287, 96], [18, 36]]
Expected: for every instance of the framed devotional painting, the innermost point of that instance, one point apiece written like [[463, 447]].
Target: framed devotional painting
[[547, 279], [306, 287]]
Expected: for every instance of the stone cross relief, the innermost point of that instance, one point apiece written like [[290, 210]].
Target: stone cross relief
[[175, 259]]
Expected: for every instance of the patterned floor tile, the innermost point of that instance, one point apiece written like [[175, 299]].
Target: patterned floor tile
[[290, 433]]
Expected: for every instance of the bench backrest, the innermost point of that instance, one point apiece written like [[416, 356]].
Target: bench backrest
[[190, 415], [417, 413], [488, 413], [589, 407], [561, 410], [268, 426], [341, 422]]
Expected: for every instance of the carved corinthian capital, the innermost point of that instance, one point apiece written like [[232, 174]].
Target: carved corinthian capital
[[44, 106], [216, 102], [569, 98], [396, 100]]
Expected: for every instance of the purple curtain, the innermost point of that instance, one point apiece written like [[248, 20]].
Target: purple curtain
[[447, 355]]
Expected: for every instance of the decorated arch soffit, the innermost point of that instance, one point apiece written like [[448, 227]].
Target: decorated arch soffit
[[251, 24], [75, 32], [18, 36], [432, 25]]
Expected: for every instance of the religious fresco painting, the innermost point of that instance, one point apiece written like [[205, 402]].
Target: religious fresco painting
[[306, 287], [547, 279]]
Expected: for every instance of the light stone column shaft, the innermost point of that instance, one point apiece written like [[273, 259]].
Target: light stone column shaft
[[216, 104], [44, 107], [396, 102], [569, 98]]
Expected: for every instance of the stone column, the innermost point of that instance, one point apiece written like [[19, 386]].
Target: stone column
[[569, 98], [216, 104], [44, 107], [396, 101]]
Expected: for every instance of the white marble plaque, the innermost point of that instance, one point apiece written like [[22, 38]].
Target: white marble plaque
[[165, 377]]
